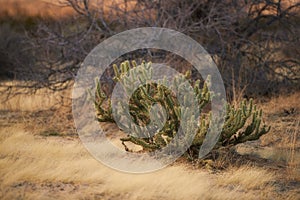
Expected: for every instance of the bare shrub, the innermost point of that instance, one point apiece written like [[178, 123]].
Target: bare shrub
[[255, 43]]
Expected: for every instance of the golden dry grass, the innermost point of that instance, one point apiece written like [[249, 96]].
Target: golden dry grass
[[33, 8], [282, 144], [244, 177], [57, 10], [25, 99], [39, 165], [34, 166], [283, 114]]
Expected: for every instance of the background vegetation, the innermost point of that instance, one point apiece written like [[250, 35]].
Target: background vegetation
[[254, 43]]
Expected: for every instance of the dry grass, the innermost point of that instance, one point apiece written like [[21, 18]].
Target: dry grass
[[45, 9], [21, 97], [32, 166], [33, 8], [248, 178], [293, 169], [283, 143]]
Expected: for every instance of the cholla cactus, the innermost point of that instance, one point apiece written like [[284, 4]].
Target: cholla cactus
[[236, 130], [241, 124]]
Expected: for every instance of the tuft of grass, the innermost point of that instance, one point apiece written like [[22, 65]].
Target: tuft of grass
[[247, 178], [293, 163]]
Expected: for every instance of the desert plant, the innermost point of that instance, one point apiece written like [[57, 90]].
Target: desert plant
[[242, 123]]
